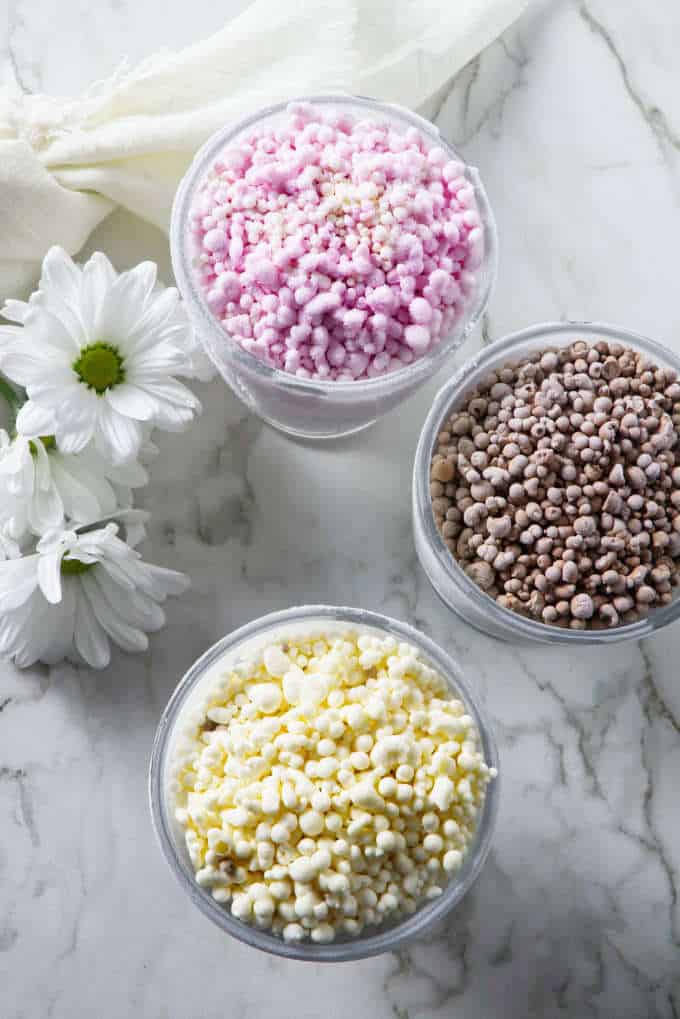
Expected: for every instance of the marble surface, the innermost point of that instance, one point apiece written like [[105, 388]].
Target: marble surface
[[574, 120]]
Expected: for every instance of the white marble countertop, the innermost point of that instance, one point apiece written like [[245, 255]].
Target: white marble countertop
[[574, 120]]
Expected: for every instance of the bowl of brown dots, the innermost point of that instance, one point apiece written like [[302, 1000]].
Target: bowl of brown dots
[[546, 486]]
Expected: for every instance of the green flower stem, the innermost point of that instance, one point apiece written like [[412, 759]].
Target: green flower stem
[[11, 397], [74, 567]]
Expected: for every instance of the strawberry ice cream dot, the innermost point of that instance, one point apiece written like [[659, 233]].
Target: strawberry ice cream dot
[[420, 310], [417, 338], [215, 239], [335, 247]]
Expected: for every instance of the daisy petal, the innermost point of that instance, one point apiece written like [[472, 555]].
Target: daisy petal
[[52, 337], [49, 575], [22, 368], [89, 636], [118, 575], [169, 390], [124, 303], [60, 274], [74, 438], [25, 632], [18, 581], [163, 582], [57, 625], [97, 277], [85, 496], [159, 315], [46, 510], [116, 436], [131, 401], [34, 420], [124, 635], [15, 311], [131, 606]]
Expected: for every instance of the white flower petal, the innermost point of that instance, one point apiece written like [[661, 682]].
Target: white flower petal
[[50, 337], [159, 360], [33, 419], [76, 422], [89, 636], [117, 437], [131, 401], [15, 311], [162, 582], [11, 337], [124, 303], [126, 636], [80, 503], [9, 549], [169, 391], [21, 367], [60, 275], [130, 606], [160, 313], [98, 276], [46, 510], [58, 624], [23, 632], [86, 496], [49, 575], [118, 575], [14, 626], [18, 581]]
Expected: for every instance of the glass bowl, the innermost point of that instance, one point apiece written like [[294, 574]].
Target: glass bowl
[[309, 408], [186, 700], [458, 592]]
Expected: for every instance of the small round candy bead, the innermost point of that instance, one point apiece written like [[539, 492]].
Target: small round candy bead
[[297, 237], [306, 854]]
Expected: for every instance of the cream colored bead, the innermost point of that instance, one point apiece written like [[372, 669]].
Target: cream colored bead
[[293, 932], [333, 778], [386, 840], [312, 822], [433, 843]]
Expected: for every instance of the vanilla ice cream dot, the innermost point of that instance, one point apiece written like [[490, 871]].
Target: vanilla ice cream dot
[[327, 784]]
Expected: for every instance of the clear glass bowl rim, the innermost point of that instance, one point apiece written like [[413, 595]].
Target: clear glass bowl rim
[[199, 310], [500, 352], [364, 945]]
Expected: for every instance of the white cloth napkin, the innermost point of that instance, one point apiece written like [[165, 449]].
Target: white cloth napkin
[[66, 163]]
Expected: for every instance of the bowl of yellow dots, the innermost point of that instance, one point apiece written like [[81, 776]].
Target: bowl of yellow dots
[[323, 783]]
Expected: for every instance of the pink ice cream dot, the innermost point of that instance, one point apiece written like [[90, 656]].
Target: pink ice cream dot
[[383, 299], [358, 363], [303, 295], [322, 304], [420, 311], [418, 338], [215, 239], [354, 319], [336, 354], [348, 243]]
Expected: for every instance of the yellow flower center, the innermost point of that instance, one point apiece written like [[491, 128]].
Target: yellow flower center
[[73, 567], [100, 366]]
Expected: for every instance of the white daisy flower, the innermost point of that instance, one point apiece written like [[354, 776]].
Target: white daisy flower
[[9, 549], [77, 592], [44, 486], [98, 352]]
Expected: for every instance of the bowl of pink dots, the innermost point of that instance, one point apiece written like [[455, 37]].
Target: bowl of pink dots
[[331, 254]]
